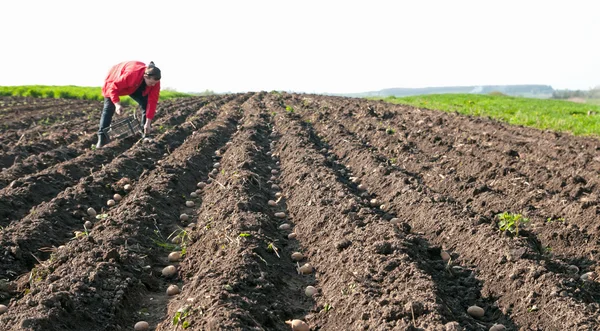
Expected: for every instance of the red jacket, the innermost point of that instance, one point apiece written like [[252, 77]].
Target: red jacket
[[124, 79]]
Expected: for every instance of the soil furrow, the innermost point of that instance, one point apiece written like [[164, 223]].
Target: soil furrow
[[357, 253], [443, 169], [29, 116], [47, 227], [496, 154], [492, 151], [176, 113], [24, 193], [232, 280], [18, 199], [41, 139], [111, 261], [470, 238], [31, 132], [395, 208], [68, 130]]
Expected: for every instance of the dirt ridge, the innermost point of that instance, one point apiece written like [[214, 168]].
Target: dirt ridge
[[375, 196]]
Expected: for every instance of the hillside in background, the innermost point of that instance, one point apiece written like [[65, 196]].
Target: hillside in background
[[532, 91]]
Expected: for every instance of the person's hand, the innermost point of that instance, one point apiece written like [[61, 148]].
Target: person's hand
[[118, 108], [147, 126]]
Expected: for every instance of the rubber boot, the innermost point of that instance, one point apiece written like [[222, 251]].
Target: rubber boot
[[102, 140]]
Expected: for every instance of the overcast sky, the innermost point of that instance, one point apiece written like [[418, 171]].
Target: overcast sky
[[309, 46]]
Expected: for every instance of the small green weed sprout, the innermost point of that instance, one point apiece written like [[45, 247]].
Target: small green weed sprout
[[37, 275], [350, 289], [511, 222], [182, 237], [162, 242], [327, 307], [272, 248], [181, 316]]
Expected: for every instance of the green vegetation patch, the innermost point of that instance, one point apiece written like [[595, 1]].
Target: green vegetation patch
[[546, 114], [73, 92]]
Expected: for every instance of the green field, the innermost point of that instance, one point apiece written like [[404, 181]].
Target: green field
[[557, 115], [565, 116], [593, 101], [72, 92]]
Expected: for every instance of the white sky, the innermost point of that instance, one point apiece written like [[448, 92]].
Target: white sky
[[314, 46]]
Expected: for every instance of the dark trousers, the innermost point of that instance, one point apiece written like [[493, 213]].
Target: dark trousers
[[109, 108]]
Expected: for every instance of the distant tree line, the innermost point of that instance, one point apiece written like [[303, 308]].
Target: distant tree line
[[568, 94], [538, 91], [516, 89]]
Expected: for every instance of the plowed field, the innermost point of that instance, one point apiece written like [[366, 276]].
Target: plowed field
[[393, 208]]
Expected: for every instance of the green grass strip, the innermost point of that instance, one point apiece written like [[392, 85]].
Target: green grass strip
[[73, 92], [546, 114]]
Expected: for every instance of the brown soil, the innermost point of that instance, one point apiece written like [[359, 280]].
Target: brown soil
[[431, 183]]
